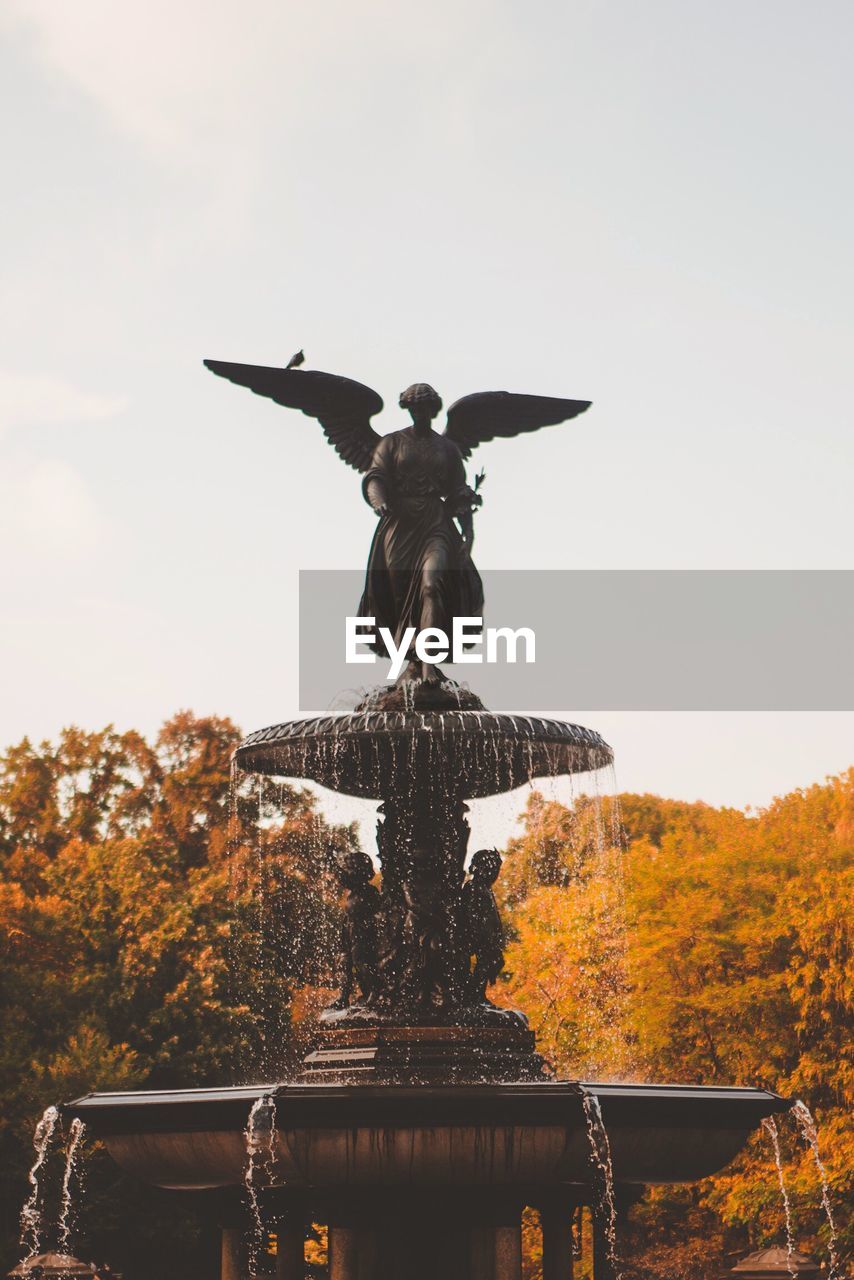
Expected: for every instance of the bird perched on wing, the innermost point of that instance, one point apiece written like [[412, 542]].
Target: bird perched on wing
[[296, 360]]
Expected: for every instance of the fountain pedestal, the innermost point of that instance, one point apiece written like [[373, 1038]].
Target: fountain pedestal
[[412, 1007], [352, 1054]]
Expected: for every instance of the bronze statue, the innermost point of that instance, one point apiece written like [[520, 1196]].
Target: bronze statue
[[420, 572], [358, 957], [483, 932]]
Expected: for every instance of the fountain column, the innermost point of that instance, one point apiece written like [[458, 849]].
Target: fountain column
[[290, 1246], [352, 1252], [556, 1225], [426, 1236], [231, 1257], [496, 1252]]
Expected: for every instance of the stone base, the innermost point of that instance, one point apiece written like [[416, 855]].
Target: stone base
[[352, 1054]]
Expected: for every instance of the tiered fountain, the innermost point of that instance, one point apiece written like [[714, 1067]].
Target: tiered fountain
[[424, 1120]]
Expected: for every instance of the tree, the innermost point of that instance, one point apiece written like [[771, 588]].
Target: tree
[[157, 919], [725, 959]]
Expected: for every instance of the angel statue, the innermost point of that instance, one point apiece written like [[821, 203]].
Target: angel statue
[[420, 572]]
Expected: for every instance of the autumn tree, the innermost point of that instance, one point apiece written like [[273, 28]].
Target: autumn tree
[[158, 919], [707, 946]]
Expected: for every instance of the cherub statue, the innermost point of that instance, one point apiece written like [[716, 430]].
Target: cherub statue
[[358, 950], [483, 932], [420, 572]]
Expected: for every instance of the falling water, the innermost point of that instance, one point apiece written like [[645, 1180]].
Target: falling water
[[592, 855], [233, 828], [237, 959], [260, 1156], [600, 1154], [807, 1127], [66, 1217], [769, 1124], [261, 967], [31, 1214]]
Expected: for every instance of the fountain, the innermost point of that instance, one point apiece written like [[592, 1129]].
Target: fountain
[[423, 1120]]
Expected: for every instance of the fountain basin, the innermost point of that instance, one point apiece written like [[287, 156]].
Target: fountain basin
[[484, 753], [338, 1137]]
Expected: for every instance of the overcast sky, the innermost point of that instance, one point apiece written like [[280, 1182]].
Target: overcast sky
[[649, 206]]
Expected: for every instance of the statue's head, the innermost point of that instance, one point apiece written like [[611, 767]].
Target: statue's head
[[485, 865], [353, 868], [421, 401]]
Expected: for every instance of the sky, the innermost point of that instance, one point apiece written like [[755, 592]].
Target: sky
[[648, 206]]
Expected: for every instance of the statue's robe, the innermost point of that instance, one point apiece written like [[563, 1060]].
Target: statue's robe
[[422, 479]]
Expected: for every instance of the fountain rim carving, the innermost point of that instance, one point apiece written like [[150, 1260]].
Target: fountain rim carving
[[660, 1134], [489, 753]]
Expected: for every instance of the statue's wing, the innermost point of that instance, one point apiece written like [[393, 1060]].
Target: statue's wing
[[343, 408], [488, 414]]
